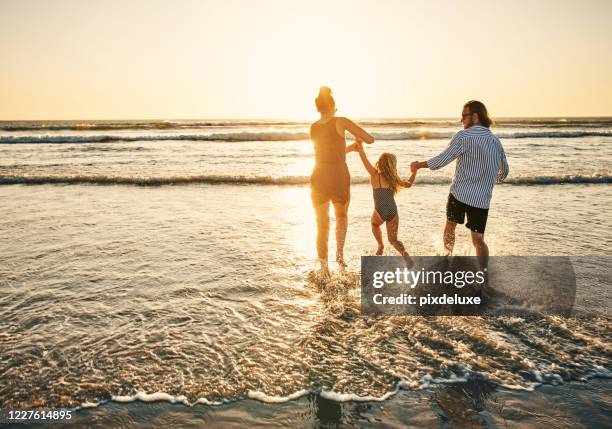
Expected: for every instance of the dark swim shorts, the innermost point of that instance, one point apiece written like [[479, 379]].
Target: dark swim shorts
[[476, 217]]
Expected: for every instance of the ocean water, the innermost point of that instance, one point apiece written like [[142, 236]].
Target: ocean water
[[174, 261]]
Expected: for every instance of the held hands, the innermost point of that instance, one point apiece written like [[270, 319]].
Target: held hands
[[414, 166], [353, 147]]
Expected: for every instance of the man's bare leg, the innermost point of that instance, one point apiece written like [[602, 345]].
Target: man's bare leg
[[482, 250], [449, 236]]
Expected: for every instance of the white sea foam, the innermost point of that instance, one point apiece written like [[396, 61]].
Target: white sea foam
[[89, 405], [204, 401], [101, 179], [538, 375], [272, 399], [151, 397], [280, 136], [345, 397], [159, 396], [426, 381], [275, 399], [530, 387], [598, 371]]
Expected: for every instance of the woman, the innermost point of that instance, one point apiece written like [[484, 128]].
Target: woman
[[330, 179]]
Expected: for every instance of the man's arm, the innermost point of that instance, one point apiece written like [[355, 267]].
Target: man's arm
[[452, 151], [504, 168]]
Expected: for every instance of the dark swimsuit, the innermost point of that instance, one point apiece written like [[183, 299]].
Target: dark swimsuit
[[384, 202], [330, 179]]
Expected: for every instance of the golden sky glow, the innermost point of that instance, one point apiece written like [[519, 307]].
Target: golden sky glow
[[266, 59]]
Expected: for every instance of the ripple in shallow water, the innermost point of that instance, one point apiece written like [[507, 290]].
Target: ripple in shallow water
[[223, 349]]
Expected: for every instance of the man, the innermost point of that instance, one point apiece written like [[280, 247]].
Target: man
[[481, 162]]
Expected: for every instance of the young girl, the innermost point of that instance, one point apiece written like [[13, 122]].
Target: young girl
[[385, 184]]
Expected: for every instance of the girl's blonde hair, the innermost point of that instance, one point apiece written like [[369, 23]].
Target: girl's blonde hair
[[387, 167]]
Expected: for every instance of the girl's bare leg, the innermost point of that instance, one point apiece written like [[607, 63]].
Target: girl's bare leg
[[376, 223], [392, 228]]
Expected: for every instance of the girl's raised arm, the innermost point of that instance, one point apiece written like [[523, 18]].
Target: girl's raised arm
[[408, 183], [364, 159]]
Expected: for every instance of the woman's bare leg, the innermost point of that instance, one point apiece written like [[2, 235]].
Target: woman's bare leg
[[322, 213], [341, 211], [376, 223], [392, 228]]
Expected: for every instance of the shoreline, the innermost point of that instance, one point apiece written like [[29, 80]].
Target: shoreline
[[473, 402]]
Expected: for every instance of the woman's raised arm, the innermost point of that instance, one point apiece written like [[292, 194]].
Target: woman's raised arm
[[356, 130]]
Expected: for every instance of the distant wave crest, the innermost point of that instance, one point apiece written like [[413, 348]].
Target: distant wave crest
[[555, 123], [265, 180], [135, 125], [104, 138], [275, 136]]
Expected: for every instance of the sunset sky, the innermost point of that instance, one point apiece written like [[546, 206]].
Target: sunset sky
[[266, 59]]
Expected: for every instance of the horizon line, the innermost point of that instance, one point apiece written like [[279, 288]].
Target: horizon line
[[305, 119]]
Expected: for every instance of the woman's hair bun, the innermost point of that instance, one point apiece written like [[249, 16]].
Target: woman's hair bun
[[324, 101], [325, 90]]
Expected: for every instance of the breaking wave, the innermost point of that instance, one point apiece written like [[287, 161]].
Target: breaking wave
[[11, 126], [31, 179], [277, 136]]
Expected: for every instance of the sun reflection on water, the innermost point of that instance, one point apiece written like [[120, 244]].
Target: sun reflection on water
[[298, 215]]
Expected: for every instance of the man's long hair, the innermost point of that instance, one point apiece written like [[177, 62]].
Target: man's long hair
[[477, 107]]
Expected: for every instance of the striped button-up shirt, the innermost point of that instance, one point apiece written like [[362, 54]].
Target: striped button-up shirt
[[481, 162]]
